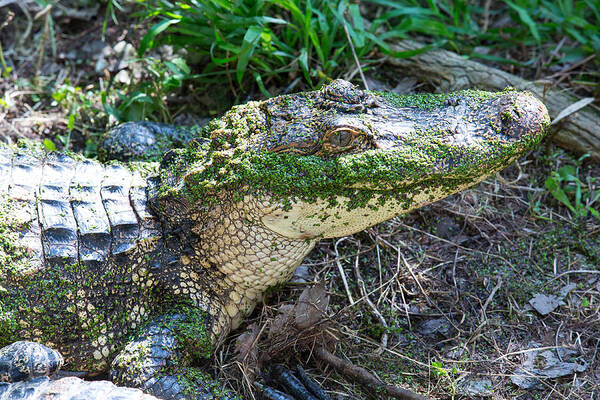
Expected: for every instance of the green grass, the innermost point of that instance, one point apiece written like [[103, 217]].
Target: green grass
[[252, 42], [244, 48]]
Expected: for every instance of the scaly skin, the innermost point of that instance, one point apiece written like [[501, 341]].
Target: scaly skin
[[88, 263]]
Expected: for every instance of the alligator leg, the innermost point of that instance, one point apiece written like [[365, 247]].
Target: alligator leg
[[158, 360], [145, 140]]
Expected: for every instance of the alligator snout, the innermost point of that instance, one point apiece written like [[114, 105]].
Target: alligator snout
[[523, 117]]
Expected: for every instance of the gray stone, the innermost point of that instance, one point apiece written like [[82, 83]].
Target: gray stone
[[482, 387], [549, 364], [433, 326]]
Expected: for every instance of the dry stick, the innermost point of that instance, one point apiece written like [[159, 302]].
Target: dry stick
[[341, 269], [363, 291], [489, 299], [412, 274], [448, 71], [365, 377], [46, 12], [576, 271], [362, 76]]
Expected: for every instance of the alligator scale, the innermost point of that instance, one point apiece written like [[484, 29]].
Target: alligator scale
[[175, 255]]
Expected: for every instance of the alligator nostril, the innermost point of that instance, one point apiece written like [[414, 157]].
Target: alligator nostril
[[453, 101]]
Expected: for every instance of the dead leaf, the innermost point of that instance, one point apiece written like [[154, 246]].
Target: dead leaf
[[312, 306], [245, 345], [573, 108], [279, 326]]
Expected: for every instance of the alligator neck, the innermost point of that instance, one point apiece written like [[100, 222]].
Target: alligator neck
[[227, 257]]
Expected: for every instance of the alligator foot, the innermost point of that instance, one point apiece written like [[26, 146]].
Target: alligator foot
[[158, 360], [144, 140], [300, 387], [26, 368], [26, 360]]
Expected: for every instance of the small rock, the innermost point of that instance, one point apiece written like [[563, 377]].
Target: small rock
[[433, 326], [546, 364], [123, 76], [545, 304], [564, 292], [477, 387], [524, 380], [100, 65], [301, 275]]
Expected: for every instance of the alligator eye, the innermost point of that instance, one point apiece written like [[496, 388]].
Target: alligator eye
[[341, 138]]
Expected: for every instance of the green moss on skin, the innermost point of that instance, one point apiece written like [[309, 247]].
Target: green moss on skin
[[200, 172], [196, 384], [193, 333], [428, 101]]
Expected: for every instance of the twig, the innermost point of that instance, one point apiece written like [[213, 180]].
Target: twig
[[341, 269], [45, 12], [514, 353], [365, 377], [362, 76], [363, 291], [412, 274], [489, 299], [577, 271]]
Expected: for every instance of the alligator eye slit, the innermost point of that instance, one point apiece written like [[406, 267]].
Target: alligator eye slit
[[341, 138]]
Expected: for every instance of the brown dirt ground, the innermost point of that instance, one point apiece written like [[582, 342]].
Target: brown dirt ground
[[467, 265]]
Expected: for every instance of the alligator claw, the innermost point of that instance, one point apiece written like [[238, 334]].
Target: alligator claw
[[145, 140], [300, 387]]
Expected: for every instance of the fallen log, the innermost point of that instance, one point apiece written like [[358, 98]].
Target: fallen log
[[579, 132]]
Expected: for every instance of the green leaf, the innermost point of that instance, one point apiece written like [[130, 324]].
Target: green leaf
[[594, 212], [71, 122], [556, 191], [303, 60], [147, 41], [567, 173], [261, 85], [585, 302], [49, 145], [526, 19], [249, 44]]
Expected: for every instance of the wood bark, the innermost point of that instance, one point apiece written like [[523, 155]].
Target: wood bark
[[580, 132]]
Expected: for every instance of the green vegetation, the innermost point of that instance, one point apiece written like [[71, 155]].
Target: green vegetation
[[243, 45], [579, 197], [447, 374], [271, 39]]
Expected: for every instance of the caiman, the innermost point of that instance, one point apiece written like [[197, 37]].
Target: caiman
[[142, 269]]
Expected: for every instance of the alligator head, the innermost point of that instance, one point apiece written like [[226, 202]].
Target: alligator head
[[337, 160], [269, 179]]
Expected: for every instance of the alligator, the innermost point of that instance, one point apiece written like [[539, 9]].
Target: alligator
[[143, 268]]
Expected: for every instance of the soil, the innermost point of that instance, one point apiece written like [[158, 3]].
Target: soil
[[450, 285]]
